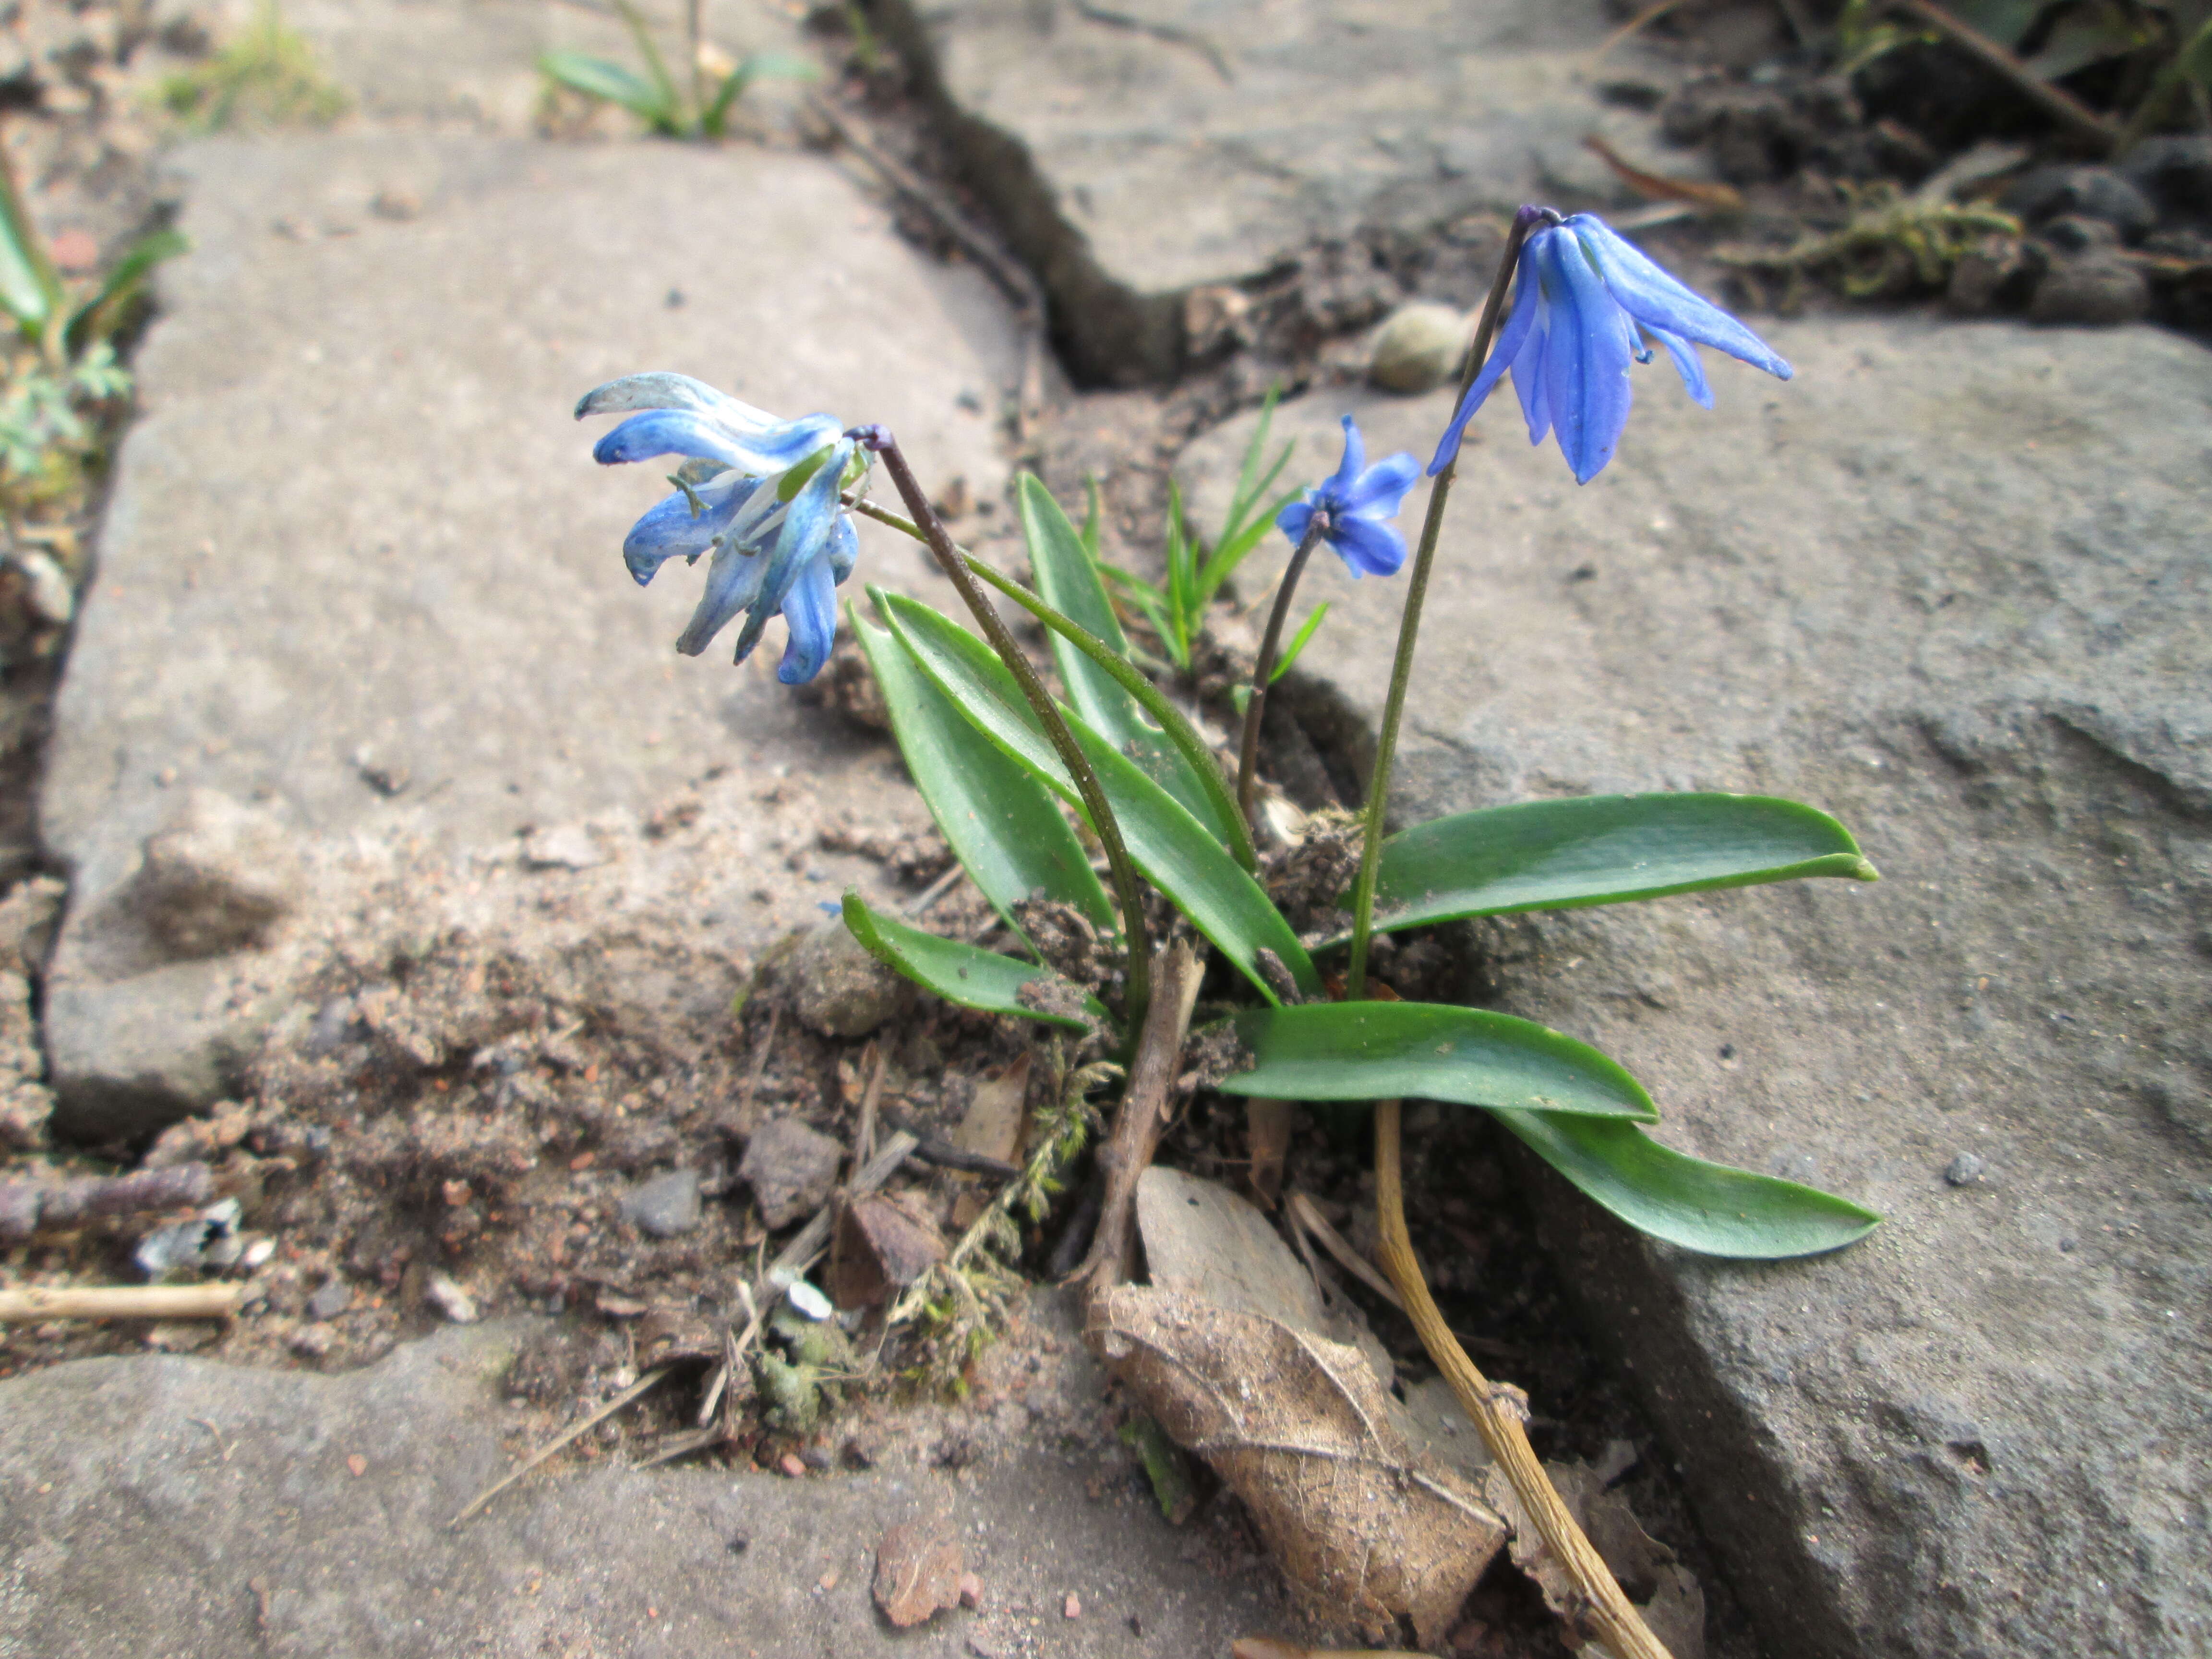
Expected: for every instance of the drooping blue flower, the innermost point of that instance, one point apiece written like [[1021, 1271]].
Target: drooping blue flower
[[1358, 500], [768, 554], [1585, 303]]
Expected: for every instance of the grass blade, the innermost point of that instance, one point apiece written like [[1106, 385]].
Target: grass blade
[[1298, 642]]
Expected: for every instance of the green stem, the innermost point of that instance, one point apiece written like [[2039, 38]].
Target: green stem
[[1126, 891], [1263, 672], [1409, 629]]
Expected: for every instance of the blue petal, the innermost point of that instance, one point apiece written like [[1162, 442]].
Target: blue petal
[[844, 548], [1528, 376], [805, 538], [1660, 302], [1585, 362], [1502, 354], [1381, 490], [1293, 519], [1686, 365], [665, 432], [809, 611], [1349, 469], [732, 583], [663, 391], [1368, 548], [766, 450], [671, 530]]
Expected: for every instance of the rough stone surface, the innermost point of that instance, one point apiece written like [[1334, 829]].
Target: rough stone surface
[[27, 917], [1269, 125], [239, 1511], [1949, 583], [356, 497], [839, 988], [790, 1169]]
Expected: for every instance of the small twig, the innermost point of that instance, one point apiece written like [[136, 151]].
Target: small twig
[[28, 1206], [810, 1241], [760, 1062], [555, 1444], [123, 1301], [1310, 1219], [1143, 1115], [1164, 32], [936, 890], [2059, 104], [1635, 25], [864, 1135], [208, 1424], [1263, 671]]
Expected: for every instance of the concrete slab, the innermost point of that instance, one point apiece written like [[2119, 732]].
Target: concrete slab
[[175, 1506], [1949, 583], [357, 541], [1135, 153]]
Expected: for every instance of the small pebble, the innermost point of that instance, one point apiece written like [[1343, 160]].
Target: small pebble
[[358, 1464], [333, 1299], [1073, 1607], [971, 1590], [313, 1341], [665, 1206], [829, 1581], [1964, 1170], [1419, 348], [791, 1466], [446, 1294]]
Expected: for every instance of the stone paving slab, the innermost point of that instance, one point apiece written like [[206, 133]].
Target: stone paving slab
[[1136, 152], [1951, 584], [174, 1507], [356, 538]]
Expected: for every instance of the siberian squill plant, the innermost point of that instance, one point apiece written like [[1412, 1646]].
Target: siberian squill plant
[[1000, 760]]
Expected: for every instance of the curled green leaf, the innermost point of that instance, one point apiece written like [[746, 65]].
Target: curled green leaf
[[970, 975]]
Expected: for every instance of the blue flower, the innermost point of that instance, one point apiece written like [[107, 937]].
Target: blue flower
[[1355, 502], [1584, 303], [768, 554]]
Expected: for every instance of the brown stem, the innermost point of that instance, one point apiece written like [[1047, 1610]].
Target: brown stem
[[121, 1302], [1126, 891], [1247, 757], [1606, 1613], [2061, 105], [1143, 1117]]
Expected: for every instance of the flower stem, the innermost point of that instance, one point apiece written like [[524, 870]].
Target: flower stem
[[1499, 1415], [1409, 627], [1127, 892], [1263, 672]]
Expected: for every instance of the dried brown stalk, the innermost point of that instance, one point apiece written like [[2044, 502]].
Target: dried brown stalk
[[1606, 1613], [123, 1301], [1143, 1116]]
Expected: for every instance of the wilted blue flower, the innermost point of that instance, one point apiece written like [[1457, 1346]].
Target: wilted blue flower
[[770, 554], [1580, 298], [1358, 500]]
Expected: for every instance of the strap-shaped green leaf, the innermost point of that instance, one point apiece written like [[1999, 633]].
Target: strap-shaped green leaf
[[1469, 1056], [595, 78], [1109, 702], [1602, 849], [1194, 761], [1174, 852], [1707, 1207], [967, 974], [1003, 826]]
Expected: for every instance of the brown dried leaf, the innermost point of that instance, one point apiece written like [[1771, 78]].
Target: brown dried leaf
[[1300, 1429], [918, 1571], [1645, 1567]]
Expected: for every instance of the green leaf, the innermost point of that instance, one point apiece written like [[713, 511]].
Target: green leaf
[[761, 66], [1602, 849], [30, 288], [97, 317], [1298, 643], [595, 78], [1708, 1207], [664, 86], [1468, 1056], [1002, 825], [1112, 696], [1172, 849], [965, 973]]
